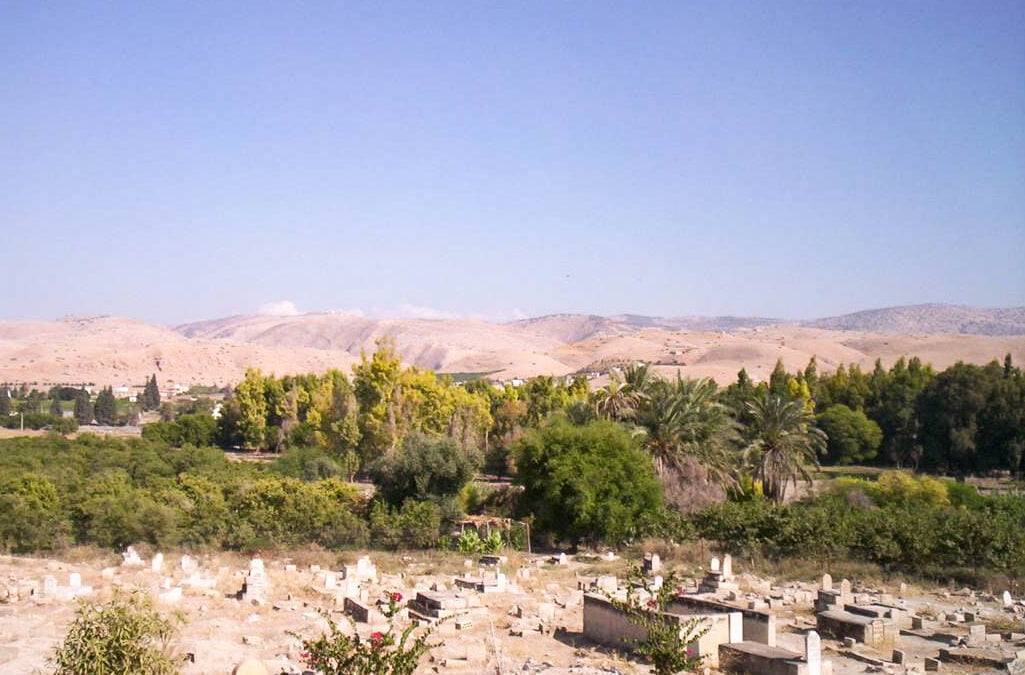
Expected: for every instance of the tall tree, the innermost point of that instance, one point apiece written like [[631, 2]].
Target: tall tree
[[5, 402], [55, 407], [783, 443], [83, 407], [151, 394], [251, 405], [105, 409]]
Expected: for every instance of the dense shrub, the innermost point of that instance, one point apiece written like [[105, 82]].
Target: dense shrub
[[425, 467], [589, 482]]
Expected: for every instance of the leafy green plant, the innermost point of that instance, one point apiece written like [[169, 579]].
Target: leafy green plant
[[667, 636], [382, 653], [123, 635]]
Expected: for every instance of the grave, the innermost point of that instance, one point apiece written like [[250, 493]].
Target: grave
[[605, 624], [719, 579], [876, 632], [652, 563], [130, 558], [255, 587]]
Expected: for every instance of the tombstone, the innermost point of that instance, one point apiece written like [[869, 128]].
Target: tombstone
[[713, 565], [1007, 599], [813, 653], [727, 566], [563, 559], [827, 582], [157, 564], [49, 586], [130, 557], [917, 623], [75, 580], [902, 589], [845, 588], [329, 581], [255, 589], [291, 568], [188, 564], [652, 563]]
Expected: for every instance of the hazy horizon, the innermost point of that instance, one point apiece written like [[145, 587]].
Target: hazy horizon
[[174, 163]]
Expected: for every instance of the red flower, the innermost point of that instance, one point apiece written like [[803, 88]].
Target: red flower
[[396, 597], [376, 639]]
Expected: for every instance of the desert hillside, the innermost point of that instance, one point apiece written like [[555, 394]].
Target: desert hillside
[[123, 351]]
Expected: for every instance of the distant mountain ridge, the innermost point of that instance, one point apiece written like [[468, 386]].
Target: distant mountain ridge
[[929, 318], [124, 351]]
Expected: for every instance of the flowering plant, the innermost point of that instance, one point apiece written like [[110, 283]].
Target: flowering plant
[[386, 652]]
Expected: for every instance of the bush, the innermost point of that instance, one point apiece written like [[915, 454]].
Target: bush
[[124, 635], [424, 468], [383, 653], [587, 482]]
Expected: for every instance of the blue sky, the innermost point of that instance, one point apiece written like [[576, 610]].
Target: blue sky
[[175, 161]]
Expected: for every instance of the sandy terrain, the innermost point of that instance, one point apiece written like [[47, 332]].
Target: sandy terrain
[[120, 351]]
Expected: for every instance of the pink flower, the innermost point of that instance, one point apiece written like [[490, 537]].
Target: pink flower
[[396, 597], [376, 639]]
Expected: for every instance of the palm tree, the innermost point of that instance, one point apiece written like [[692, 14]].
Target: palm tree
[[784, 442], [683, 418]]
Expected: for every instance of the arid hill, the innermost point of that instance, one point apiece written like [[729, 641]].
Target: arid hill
[[932, 318], [122, 351]]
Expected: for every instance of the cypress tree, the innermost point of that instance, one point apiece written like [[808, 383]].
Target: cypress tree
[[55, 407], [105, 409], [151, 394], [5, 402], [83, 408]]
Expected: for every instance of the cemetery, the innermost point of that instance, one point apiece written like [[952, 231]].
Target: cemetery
[[518, 613]]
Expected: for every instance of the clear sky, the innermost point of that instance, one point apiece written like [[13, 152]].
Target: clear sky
[[176, 161]]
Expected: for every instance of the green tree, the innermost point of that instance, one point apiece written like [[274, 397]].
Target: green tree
[[783, 442], [852, 437], [105, 408], [150, 394], [250, 403], [5, 402], [586, 482], [376, 387], [55, 408], [424, 468], [83, 407]]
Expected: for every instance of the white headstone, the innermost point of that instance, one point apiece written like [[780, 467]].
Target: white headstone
[[75, 580], [813, 653], [714, 565], [656, 582], [49, 586], [157, 564], [329, 581], [845, 588], [727, 566], [562, 559], [1007, 599], [131, 557], [256, 565], [189, 564], [827, 582], [736, 620]]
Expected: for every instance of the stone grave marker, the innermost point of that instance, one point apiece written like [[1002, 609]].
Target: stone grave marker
[[813, 653]]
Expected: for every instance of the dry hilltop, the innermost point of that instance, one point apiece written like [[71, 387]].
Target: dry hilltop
[[122, 351]]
